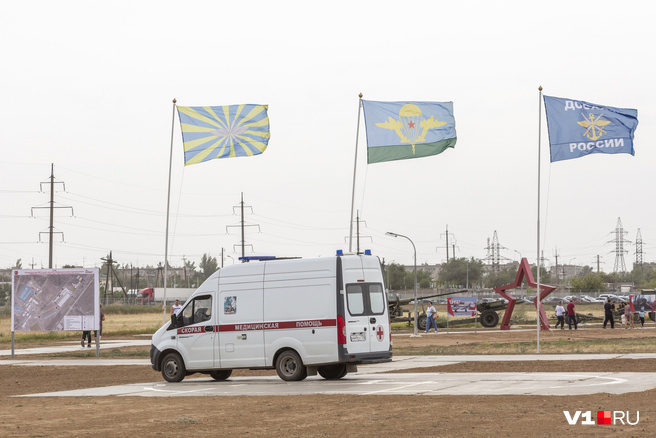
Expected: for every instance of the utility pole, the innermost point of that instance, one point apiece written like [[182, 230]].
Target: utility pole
[[619, 250], [243, 225], [447, 243], [51, 207], [357, 233], [111, 273], [494, 253], [639, 249], [556, 256]]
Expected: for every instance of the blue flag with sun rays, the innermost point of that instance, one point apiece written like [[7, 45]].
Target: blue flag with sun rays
[[210, 132]]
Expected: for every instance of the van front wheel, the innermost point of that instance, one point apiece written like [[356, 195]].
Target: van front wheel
[[333, 372], [173, 369], [289, 366]]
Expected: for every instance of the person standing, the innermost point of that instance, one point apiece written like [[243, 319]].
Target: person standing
[[430, 321], [560, 314], [641, 313], [176, 307], [86, 335], [609, 308], [571, 315], [98, 333], [628, 315]]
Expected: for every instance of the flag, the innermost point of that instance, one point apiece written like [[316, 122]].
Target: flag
[[578, 128], [210, 132], [401, 130]]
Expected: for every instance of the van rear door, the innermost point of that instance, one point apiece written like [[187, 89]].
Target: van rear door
[[366, 323]]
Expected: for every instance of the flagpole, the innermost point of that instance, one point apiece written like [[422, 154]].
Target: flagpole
[[355, 167], [168, 205], [538, 299]]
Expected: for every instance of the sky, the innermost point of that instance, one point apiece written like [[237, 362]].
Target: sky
[[88, 89]]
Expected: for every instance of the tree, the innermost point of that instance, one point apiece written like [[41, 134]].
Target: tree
[[19, 264], [395, 276], [587, 283], [208, 266], [501, 278], [460, 272], [424, 279], [585, 271], [545, 276]]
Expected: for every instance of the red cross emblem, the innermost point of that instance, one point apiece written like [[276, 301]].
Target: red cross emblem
[[380, 333]]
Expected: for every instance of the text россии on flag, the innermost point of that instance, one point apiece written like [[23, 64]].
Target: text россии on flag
[[210, 132], [578, 128], [401, 130]]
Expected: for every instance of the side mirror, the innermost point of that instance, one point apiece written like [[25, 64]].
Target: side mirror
[[175, 322]]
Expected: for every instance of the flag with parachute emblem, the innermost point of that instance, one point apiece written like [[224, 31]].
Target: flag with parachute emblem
[[402, 130], [210, 132], [577, 128]]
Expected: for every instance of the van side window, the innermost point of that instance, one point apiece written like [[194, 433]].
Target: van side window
[[197, 311], [377, 299], [365, 299], [355, 299]]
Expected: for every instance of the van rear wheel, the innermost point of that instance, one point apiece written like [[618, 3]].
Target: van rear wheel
[[289, 366], [332, 372], [220, 374], [173, 368]]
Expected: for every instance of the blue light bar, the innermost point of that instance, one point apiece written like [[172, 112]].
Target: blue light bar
[[340, 252], [367, 252], [250, 258]]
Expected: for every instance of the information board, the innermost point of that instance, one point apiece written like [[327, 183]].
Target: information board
[[55, 299]]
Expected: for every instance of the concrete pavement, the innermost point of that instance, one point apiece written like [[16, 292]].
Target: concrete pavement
[[366, 381]]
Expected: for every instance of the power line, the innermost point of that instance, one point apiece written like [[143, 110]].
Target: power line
[[619, 250]]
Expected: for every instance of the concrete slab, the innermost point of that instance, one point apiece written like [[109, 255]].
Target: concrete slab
[[366, 381], [388, 384]]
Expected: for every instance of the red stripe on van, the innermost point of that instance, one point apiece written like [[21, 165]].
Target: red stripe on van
[[313, 323]]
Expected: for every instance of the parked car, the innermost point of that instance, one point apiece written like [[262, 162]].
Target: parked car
[[613, 297]]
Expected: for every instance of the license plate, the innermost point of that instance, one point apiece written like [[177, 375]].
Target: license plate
[[358, 337]]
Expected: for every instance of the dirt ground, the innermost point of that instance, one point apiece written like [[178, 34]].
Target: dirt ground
[[323, 415]]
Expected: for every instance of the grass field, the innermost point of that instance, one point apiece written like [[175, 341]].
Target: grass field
[[124, 321], [119, 321]]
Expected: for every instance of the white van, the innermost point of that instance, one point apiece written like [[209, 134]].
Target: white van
[[299, 316]]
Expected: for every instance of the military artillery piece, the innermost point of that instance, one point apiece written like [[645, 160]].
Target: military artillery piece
[[487, 316]]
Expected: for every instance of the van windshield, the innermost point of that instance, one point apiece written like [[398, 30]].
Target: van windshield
[[365, 299]]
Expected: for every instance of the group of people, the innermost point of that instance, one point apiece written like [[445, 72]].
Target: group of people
[[627, 315], [609, 309], [561, 313]]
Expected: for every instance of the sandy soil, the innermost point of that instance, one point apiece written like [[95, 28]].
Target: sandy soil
[[320, 415]]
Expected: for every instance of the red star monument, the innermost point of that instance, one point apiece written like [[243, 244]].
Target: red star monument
[[524, 270]]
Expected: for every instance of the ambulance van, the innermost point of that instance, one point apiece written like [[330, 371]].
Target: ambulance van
[[298, 316]]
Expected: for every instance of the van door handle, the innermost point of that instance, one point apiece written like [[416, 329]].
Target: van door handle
[[372, 320], [209, 328]]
